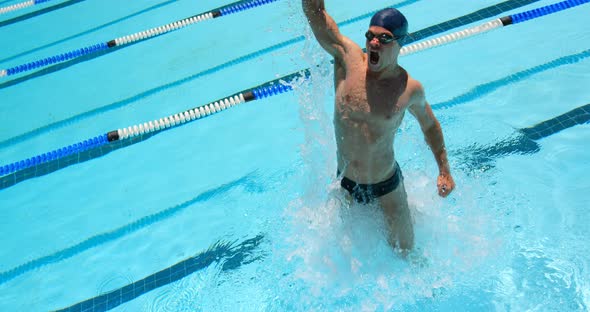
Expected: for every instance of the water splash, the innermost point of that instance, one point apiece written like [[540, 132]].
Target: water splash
[[337, 256]]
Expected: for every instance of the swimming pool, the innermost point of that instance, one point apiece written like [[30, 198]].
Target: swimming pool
[[235, 212]]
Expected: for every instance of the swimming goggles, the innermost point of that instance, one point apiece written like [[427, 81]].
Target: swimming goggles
[[383, 38]]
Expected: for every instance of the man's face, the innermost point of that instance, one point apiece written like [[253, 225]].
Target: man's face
[[382, 46]]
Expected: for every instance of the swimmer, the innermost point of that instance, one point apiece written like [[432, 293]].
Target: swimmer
[[373, 92]]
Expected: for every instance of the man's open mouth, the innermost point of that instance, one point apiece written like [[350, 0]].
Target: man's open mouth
[[374, 57]]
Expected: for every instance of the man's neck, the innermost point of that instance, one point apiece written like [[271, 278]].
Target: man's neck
[[391, 71]]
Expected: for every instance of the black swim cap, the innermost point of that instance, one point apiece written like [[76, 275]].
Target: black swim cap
[[392, 20]]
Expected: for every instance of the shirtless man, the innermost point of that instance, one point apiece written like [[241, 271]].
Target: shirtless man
[[372, 95]]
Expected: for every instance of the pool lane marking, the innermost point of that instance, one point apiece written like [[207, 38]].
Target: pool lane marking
[[229, 255], [274, 87], [248, 180], [523, 142], [489, 87], [136, 37]]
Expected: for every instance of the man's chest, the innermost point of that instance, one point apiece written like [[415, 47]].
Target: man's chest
[[360, 100]]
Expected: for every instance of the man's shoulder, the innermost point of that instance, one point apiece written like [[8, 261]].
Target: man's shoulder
[[414, 87], [414, 84], [414, 91]]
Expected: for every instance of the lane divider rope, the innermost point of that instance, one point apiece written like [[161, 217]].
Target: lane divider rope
[[139, 36], [491, 25], [274, 87], [21, 5], [271, 88], [177, 119]]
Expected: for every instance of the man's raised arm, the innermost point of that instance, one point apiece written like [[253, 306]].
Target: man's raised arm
[[324, 28]]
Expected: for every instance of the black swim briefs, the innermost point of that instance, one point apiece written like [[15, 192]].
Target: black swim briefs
[[365, 193]]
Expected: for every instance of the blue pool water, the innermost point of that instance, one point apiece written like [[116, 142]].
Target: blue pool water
[[237, 212]]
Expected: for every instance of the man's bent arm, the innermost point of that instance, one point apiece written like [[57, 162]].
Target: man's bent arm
[[324, 28], [434, 138]]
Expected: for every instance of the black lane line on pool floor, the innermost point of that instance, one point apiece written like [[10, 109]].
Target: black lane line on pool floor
[[248, 182], [523, 142], [226, 254], [430, 31], [489, 87], [476, 92], [39, 12]]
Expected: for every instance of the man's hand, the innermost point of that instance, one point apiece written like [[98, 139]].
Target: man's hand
[[445, 184]]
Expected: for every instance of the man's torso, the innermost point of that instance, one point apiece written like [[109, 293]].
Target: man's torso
[[367, 114]]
